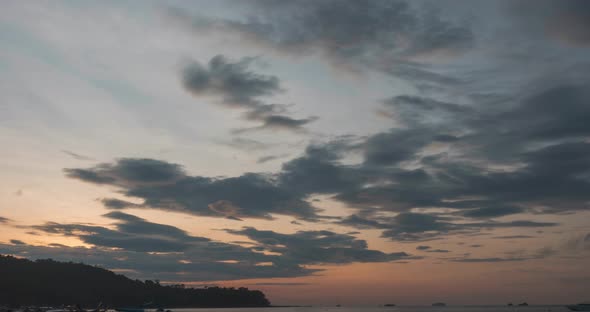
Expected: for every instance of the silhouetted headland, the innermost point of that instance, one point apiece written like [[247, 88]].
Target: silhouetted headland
[[53, 283]]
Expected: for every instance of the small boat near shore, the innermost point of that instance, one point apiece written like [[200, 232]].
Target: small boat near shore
[[579, 307]]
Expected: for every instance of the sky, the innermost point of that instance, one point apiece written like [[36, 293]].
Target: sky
[[326, 152]]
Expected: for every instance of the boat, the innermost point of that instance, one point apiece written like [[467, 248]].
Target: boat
[[579, 307], [439, 304]]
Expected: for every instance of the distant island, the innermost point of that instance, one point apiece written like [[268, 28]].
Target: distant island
[[53, 283]]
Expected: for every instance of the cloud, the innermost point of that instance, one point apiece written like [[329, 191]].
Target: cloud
[[319, 171], [247, 144], [151, 250], [77, 156], [278, 122], [438, 250], [415, 227], [268, 158], [350, 34], [238, 87], [162, 185], [163, 266], [422, 247], [4, 220], [129, 171], [113, 203], [317, 247], [17, 242], [534, 141], [416, 110], [390, 148], [233, 82], [470, 163], [131, 233], [513, 256]]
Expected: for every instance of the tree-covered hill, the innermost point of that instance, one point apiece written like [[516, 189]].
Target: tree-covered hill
[[48, 282]]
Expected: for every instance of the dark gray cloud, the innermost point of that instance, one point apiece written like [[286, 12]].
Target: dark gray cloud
[[4, 220], [422, 247], [17, 242], [232, 81], [536, 140], [319, 171], [390, 148], [113, 203], [317, 247], [238, 87], [166, 186], [77, 156], [352, 34], [268, 158], [474, 163], [127, 171], [131, 233], [438, 250], [413, 227], [278, 122], [190, 265], [511, 256], [151, 250]]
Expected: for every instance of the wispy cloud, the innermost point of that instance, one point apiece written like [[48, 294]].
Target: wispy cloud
[[238, 87]]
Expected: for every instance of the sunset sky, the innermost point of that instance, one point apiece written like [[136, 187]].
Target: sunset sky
[[323, 151]]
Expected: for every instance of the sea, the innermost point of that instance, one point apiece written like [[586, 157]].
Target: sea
[[555, 308]]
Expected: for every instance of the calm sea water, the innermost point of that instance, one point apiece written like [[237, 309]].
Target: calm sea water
[[391, 309]]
